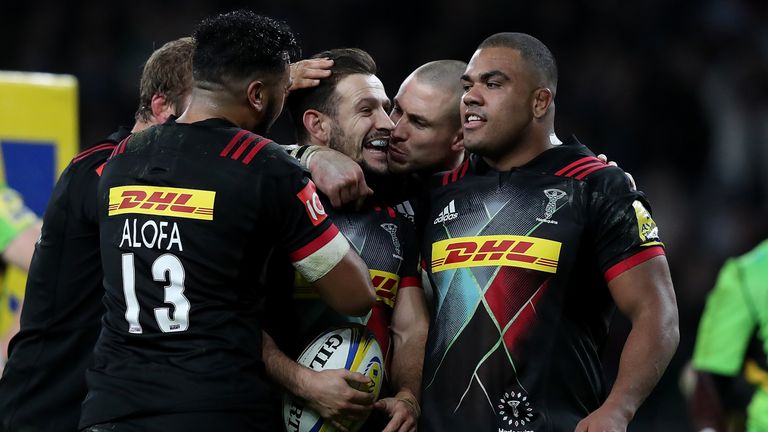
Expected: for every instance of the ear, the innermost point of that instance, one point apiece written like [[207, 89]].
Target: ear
[[457, 143], [161, 109], [255, 94], [542, 100], [317, 126]]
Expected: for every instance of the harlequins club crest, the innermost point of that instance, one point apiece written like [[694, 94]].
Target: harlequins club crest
[[515, 409]]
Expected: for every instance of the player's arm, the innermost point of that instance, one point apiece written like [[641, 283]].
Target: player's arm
[[336, 175], [725, 330], [410, 324], [347, 286], [20, 249], [328, 392], [645, 295]]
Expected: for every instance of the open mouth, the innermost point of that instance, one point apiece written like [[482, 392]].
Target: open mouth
[[377, 144], [472, 121]]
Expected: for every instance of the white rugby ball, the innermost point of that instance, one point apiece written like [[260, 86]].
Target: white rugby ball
[[351, 347]]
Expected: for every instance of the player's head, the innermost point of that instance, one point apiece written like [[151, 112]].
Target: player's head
[[166, 82], [243, 58], [347, 111], [509, 89], [427, 135]]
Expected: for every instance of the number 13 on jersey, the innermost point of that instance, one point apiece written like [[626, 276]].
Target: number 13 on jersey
[[167, 268]]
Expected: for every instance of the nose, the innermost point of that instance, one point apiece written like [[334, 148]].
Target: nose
[[472, 96], [383, 122], [399, 132]]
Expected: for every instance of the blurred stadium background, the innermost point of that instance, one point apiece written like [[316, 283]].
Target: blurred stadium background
[[676, 91]]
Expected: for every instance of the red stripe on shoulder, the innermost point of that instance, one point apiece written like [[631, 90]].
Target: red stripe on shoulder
[[120, 148], [97, 148], [100, 169], [256, 148], [232, 143], [634, 260], [575, 164], [244, 145], [590, 171], [456, 174], [315, 245]]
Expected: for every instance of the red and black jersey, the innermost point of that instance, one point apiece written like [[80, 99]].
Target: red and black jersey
[[188, 215], [43, 383], [520, 261]]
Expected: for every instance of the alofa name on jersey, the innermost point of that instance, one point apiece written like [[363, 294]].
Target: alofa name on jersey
[[496, 250], [158, 201]]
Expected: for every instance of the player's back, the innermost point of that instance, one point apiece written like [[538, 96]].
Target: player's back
[[188, 214]]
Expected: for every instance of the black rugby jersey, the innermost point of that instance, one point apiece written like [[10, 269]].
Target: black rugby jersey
[[386, 242], [188, 215], [44, 380], [520, 261]]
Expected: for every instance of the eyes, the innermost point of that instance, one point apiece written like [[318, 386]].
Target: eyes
[[488, 84]]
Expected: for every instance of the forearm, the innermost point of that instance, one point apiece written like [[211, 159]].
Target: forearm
[[281, 368], [408, 358], [649, 348]]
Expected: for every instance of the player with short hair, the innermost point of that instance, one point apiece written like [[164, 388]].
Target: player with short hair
[[347, 112], [529, 243], [44, 382], [189, 212]]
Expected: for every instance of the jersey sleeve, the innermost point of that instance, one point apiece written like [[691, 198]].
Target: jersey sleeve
[[15, 217], [623, 232], [726, 325], [306, 233]]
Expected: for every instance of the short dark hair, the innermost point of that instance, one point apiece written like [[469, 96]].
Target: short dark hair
[[238, 44], [444, 75], [346, 62], [531, 50], [167, 72]]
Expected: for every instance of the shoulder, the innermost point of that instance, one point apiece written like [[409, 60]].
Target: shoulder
[[756, 259]]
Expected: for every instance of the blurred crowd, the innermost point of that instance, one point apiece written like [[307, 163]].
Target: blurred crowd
[[675, 91]]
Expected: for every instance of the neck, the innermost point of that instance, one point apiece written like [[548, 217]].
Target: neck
[[140, 125], [525, 151], [207, 104]]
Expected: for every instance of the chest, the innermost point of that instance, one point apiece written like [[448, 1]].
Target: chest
[[524, 221]]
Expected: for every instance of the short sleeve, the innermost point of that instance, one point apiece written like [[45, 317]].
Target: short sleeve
[[15, 217], [304, 230], [622, 229], [726, 325]]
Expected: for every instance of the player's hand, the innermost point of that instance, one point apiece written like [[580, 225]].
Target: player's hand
[[403, 416], [340, 178], [308, 73], [603, 420], [605, 160], [333, 395]]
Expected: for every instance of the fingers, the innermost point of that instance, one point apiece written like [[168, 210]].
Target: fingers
[[603, 158], [308, 73]]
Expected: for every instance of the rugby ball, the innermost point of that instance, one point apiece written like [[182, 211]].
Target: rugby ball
[[352, 347]]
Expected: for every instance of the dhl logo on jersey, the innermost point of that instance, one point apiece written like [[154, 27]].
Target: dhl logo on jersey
[[496, 250], [162, 201], [385, 284]]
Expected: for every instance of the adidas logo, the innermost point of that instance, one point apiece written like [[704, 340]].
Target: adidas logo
[[405, 209], [448, 213]]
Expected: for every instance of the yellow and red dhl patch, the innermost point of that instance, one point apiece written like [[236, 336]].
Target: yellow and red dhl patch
[[385, 284], [496, 250], [162, 201]]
